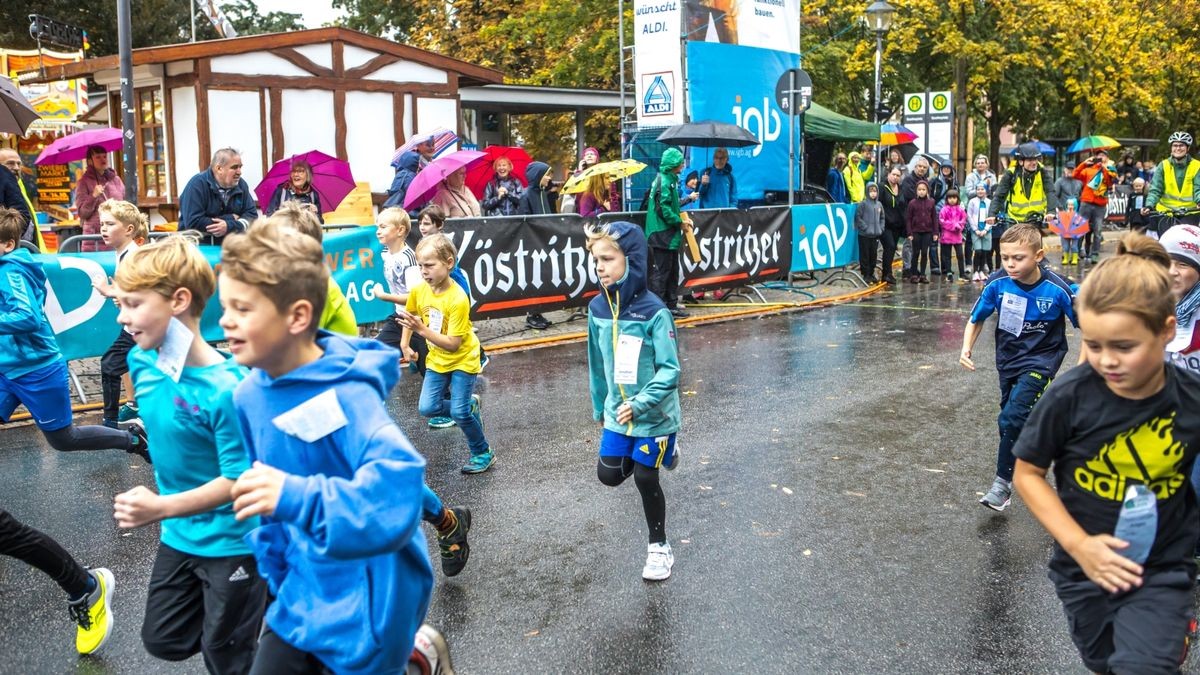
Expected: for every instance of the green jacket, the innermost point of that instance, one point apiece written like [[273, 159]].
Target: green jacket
[[642, 322], [662, 213], [1154, 191]]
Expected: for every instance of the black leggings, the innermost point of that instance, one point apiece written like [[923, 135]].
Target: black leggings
[[113, 366], [91, 437], [654, 503], [922, 248], [390, 334], [980, 260], [274, 656], [38, 550]]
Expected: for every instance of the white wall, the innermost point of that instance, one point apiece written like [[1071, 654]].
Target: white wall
[[369, 138], [233, 122], [407, 71], [321, 54], [354, 56], [183, 123], [437, 112], [407, 122], [257, 63], [307, 116]]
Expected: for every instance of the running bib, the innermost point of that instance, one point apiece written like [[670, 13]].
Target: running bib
[[435, 320], [314, 419], [629, 348], [1012, 313], [174, 350]]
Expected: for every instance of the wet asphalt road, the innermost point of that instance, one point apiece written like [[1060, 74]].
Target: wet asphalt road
[[823, 518]]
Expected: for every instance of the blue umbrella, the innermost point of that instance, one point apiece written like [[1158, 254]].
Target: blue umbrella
[[1044, 148]]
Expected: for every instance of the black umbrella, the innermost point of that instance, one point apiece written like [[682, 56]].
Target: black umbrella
[[708, 134], [16, 114], [907, 150]]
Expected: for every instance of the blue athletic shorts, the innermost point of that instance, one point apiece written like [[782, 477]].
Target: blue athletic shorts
[[46, 393], [649, 451]]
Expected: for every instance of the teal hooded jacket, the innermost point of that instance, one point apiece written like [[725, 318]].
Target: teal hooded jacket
[[627, 312]]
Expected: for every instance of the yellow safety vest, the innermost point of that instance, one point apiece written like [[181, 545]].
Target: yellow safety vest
[[1172, 196], [37, 231], [1020, 205]]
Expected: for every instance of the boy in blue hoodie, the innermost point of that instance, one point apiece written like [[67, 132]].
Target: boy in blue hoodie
[[634, 371], [205, 595], [338, 486], [33, 372]]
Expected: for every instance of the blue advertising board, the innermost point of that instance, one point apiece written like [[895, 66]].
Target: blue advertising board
[[823, 237]]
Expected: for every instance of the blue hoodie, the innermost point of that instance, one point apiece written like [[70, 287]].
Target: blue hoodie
[[654, 397], [26, 339], [343, 555], [406, 167]]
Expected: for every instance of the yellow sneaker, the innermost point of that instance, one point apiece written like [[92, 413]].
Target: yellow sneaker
[[93, 613]]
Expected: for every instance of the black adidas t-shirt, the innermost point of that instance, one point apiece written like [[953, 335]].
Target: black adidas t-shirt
[[1100, 444]]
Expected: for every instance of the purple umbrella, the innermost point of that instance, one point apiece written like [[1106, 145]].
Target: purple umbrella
[[442, 138], [331, 179], [425, 185], [74, 147]]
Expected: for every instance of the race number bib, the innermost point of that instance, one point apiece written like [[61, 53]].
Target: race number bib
[[435, 320], [629, 348], [1012, 313]]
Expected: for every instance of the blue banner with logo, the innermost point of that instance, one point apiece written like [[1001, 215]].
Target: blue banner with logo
[[737, 85], [823, 237], [85, 322]]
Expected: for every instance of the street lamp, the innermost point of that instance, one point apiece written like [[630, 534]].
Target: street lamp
[[879, 19]]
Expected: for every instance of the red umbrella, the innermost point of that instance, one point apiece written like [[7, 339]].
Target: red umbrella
[[480, 174], [75, 146], [425, 185], [331, 179]]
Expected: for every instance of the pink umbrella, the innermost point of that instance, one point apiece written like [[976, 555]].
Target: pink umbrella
[[331, 179], [425, 185], [442, 138], [74, 147], [480, 174]]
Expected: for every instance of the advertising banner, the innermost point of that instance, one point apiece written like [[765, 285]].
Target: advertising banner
[[739, 247], [85, 322], [658, 62], [733, 84], [823, 237], [769, 24], [931, 115]]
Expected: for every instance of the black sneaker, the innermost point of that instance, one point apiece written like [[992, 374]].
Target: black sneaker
[[453, 546], [679, 313], [139, 443], [537, 322]]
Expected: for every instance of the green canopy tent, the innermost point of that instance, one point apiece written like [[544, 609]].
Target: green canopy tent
[[821, 122]]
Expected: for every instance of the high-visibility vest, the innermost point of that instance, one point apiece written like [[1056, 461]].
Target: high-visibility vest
[[37, 232], [1020, 205], [1174, 195]]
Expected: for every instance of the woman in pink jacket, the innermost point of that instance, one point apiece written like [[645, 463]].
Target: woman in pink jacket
[[98, 184], [953, 218]]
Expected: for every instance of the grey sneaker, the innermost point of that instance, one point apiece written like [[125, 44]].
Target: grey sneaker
[[999, 496]]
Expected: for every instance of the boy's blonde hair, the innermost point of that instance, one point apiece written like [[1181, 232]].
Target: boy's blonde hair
[[167, 265], [599, 232], [12, 226], [439, 245], [1023, 234], [298, 217], [282, 267], [128, 215], [396, 217], [1134, 281]]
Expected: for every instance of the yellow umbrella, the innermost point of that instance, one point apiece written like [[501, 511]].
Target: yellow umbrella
[[615, 170]]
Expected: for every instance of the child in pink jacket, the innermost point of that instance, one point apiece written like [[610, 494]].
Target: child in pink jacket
[[954, 220]]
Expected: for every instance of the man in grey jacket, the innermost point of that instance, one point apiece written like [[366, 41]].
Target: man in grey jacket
[[1067, 187]]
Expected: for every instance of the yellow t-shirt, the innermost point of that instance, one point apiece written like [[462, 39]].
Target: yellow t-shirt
[[448, 313]]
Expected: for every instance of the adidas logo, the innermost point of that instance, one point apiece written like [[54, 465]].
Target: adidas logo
[[239, 574]]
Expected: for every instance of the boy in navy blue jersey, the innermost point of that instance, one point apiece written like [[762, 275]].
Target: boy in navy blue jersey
[[1031, 340], [338, 486], [205, 594]]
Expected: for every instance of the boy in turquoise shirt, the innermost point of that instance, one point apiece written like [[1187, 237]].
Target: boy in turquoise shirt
[[205, 593]]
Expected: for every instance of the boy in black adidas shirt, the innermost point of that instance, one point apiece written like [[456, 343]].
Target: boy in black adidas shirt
[[1124, 418]]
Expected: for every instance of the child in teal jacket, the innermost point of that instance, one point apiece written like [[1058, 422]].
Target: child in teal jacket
[[633, 365]]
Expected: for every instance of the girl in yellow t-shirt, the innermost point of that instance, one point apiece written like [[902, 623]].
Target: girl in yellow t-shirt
[[439, 311]]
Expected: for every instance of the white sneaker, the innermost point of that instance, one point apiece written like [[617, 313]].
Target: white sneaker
[[658, 562], [431, 654]]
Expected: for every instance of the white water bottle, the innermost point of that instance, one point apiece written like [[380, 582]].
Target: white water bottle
[[1138, 523]]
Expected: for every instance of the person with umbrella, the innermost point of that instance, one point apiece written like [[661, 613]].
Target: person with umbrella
[[1176, 182], [502, 194], [217, 201], [718, 188], [1024, 192], [406, 165], [299, 189], [97, 184], [1097, 180], [664, 231], [454, 198]]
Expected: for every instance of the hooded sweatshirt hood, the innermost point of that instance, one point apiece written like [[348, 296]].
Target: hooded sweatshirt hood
[[534, 173], [410, 160], [632, 285], [672, 159], [27, 341]]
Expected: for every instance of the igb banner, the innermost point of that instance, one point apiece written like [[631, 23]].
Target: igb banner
[[823, 236]]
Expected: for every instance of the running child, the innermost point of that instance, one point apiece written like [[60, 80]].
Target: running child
[[633, 368], [439, 311], [336, 483], [338, 315], [122, 226], [205, 594], [1125, 418], [1031, 340], [953, 220], [33, 372], [981, 235], [402, 273]]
